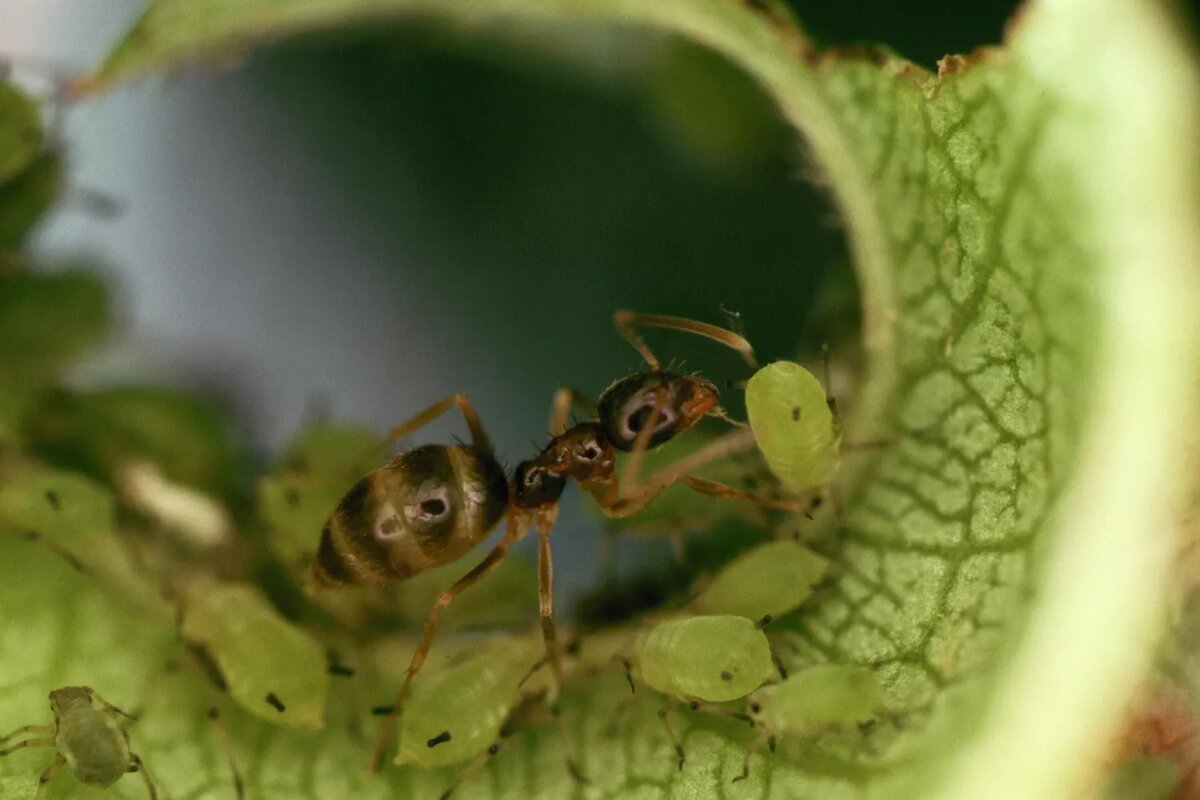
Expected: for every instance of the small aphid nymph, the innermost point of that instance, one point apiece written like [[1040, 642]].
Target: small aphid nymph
[[88, 739]]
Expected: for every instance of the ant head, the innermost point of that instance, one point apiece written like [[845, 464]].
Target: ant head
[[626, 406], [535, 484]]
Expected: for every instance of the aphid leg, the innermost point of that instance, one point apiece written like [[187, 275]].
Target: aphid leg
[[626, 322], [46, 730], [27, 743], [107, 706], [764, 738], [717, 711], [60, 551], [560, 409], [479, 438], [465, 774], [223, 740], [48, 774], [662, 715], [518, 526], [136, 765]]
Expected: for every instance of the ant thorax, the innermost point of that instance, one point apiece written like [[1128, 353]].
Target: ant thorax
[[627, 405], [583, 454]]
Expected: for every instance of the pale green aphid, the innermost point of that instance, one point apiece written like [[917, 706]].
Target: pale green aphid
[[793, 424], [714, 658], [88, 739], [819, 697], [74, 517], [309, 480], [456, 708], [767, 581], [271, 668]]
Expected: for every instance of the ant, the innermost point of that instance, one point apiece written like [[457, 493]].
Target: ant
[[432, 504]]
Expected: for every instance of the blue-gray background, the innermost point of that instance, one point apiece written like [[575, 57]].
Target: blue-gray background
[[358, 225]]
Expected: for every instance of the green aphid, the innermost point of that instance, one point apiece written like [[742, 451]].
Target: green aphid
[[308, 481], [74, 517], [271, 668], [46, 321], [816, 698], [458, 705], [794, 425], [713, 658], [186, 437], [21, 135], [88, 738], [764, 583]]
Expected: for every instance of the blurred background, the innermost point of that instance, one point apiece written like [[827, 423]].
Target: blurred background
[[352, 227]]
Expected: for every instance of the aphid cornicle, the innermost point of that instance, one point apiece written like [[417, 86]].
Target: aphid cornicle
[[88, 739]]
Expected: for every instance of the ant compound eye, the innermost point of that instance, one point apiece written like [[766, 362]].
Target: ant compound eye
[[533, 479], [590, 451]]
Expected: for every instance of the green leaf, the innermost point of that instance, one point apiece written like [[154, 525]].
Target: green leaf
[[1023, 226], [20, 132], [188, 437], [46, 321], [296, 498], [25, 199]]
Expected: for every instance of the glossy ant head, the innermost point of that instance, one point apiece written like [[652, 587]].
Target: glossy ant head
[[626, 406]]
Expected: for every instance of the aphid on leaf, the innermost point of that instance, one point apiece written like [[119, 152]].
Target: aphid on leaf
[[271, 668], [712, 658], [814, 699], [794, 424], [456, 710], [765, 582], [88, 738]]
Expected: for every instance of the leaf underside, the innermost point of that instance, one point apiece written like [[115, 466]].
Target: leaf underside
[[975, 241]]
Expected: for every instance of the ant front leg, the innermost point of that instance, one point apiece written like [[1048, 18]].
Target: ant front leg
[[631, 500], [479, 438]]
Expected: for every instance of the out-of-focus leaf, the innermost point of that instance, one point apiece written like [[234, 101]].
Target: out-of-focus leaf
[[26, 198], [300, 493], [20, 132], [48, 320], [189, 438]]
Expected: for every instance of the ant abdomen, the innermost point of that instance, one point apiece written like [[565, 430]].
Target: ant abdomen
[[426, 508]]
